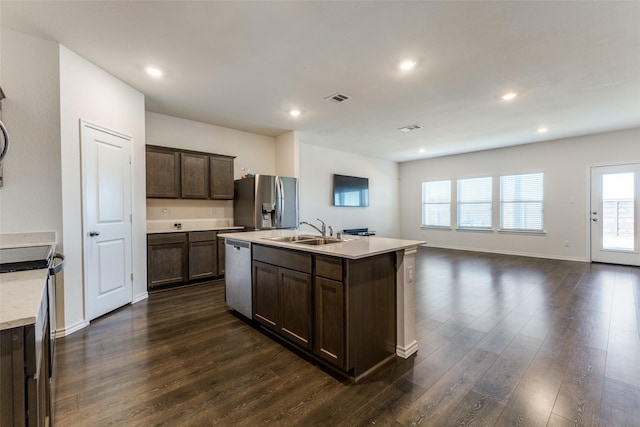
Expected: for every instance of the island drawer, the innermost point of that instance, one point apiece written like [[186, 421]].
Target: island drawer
[[293, 260], [329, 267]]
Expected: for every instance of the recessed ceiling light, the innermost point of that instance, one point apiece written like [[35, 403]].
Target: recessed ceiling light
[[509, 96], [422, 150], [294, 113], [153, 71], [407, 65], [542, 130]]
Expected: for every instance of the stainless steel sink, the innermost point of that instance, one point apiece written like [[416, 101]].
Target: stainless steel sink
[[304, 239], [288, 239], [319, 241]]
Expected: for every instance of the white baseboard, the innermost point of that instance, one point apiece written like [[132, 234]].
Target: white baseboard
[[408, 351], [501, 252], [140, 297], [83, 323], [71, 329]]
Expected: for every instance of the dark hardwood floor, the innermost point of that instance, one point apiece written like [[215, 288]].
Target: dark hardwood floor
[[504, 341]]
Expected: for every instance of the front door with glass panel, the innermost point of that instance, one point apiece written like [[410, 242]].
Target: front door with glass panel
[[615, 225]]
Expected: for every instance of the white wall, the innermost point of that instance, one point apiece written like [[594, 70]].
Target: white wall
[[30, 200], [288, 155], [317, 166], [88, 92], [31, 197], [565, 165]]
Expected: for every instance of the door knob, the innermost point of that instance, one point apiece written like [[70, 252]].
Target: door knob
[[93, 233], [594, 219]]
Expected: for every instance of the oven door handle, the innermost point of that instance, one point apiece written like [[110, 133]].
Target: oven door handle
[[57, 268]]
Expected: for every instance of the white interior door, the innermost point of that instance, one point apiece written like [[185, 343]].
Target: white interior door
[[615, 224], [106, 176]]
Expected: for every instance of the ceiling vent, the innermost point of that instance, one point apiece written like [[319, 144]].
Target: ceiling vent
[[409, 128], [337, 97]]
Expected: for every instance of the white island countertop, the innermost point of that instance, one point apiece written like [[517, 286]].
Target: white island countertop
[[21, 294], [352, 247]]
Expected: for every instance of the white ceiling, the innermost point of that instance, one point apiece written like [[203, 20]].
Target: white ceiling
[[243, 65]]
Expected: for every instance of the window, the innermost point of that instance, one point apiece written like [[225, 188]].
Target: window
[[521, 198], [436, 204], [474, 203]]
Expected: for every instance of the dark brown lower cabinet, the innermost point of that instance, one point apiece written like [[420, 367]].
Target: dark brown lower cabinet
[[203, 254], [329, 321], [25, 380], [265, 294], [283, 301], [342, 311], [221, 254], [283, 293], [295, 306], [167, 259], [184, 257]]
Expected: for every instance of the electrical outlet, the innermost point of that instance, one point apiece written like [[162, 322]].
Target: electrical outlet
[[164, 212]]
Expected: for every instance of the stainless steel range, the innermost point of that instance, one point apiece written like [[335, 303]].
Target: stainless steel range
[[26, 258]]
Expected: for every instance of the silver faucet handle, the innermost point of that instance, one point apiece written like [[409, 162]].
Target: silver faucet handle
[[324, 227], [330, 231]]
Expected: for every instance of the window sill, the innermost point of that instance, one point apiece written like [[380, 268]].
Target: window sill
[[528, 232], [475, 230], [435, 227]]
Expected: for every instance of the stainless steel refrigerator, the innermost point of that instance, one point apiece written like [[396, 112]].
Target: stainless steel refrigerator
[[264, 202]]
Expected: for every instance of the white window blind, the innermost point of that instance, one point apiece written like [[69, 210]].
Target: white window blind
[[521, 200], [474, 203], [436, 203]]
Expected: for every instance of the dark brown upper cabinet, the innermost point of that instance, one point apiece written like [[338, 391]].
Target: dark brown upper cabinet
[[183, 174], [221, 172], [163, 172], [194, 175]]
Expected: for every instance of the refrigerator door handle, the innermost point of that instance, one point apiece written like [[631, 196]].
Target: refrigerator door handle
[[279, 202]]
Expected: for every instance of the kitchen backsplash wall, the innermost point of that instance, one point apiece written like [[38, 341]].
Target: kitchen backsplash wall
[[173, 209]]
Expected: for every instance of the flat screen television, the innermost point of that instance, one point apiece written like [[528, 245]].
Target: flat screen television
[[350, 191]]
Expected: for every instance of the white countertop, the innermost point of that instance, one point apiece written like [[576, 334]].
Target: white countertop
[[20, 240], [21, 292], [353, 247], [20, 296]]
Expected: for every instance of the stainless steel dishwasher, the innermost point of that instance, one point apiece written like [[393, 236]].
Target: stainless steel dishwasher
[[237, 276]]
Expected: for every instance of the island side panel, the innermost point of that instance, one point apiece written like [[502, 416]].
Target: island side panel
[[406, 297], [372, 311]]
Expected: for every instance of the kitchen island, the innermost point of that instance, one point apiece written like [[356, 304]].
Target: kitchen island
[[348, 303]]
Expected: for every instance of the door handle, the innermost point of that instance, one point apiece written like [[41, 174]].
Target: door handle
[[93, 233], [594, 219]]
